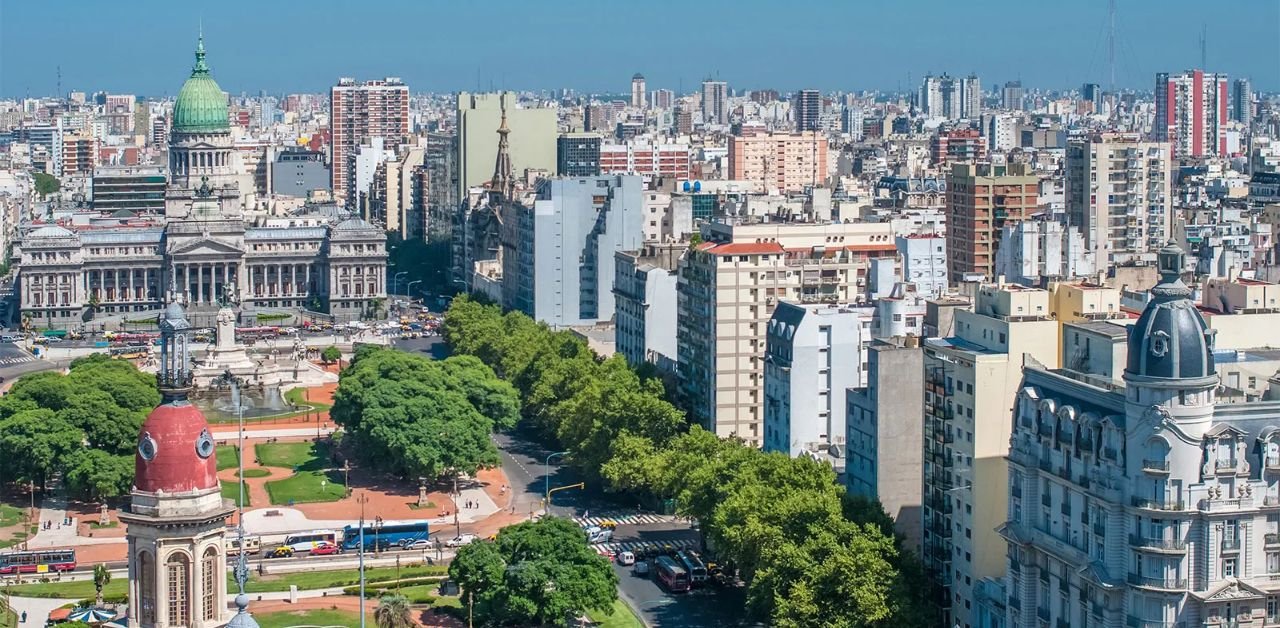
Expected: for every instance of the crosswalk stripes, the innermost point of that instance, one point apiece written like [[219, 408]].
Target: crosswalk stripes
[[17, 360], [646, 546], [622, 520]]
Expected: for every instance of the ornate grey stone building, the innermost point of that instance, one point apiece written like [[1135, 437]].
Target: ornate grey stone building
[[331, 265]]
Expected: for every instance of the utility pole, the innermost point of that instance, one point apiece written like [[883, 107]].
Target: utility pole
[[471, 607], [363, 499]]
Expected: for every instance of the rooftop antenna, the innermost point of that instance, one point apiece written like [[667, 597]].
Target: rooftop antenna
[[1204, 46], [1111, 44], [59, 80]]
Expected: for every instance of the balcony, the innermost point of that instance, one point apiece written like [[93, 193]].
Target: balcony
[[1042, 613], [1155, 466], [1225, 466], [1273, 463], [1231, 545], [1163, 583], [1159, 504], [1218, 505], [1157, 543], [1135, 622], [1271, 539]]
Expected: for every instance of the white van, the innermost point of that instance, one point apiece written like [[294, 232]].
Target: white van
[[626, 558]]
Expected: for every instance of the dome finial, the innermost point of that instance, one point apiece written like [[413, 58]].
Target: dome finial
[[201, 67]]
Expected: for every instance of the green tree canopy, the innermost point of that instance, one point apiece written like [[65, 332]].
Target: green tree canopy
[[535, 573], [46, 184], [331, 354]]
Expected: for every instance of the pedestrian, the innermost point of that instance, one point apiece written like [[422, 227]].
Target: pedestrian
[[24, 617]]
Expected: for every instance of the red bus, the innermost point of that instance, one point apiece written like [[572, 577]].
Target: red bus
[[671, 574], [42, 561], [256, 333]]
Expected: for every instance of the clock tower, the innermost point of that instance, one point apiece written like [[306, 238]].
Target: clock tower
[[177, 519]]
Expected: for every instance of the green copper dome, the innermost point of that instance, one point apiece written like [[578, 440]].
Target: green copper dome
[[201, 106]]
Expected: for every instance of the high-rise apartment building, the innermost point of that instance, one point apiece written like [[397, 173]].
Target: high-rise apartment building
[[578, 154], [1191, 113], [971, 97], [637, 91], [663, 98], [1092, 93], [644, 304], [532, 132], [981, 200], [647, 159], [807, 109], [1242, 100], [79, 154], [558, 255], [1012, 95], [951, 98], [359, 113], [728, 288], [971, 381], [786, 162], [957, 145], [1118, 192], [715, 102]]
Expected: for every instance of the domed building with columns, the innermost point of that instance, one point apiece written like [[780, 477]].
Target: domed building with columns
[[1152, 500], [327, 262]]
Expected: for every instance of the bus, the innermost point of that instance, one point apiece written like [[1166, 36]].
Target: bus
[[131, 352], [41, 561], [306, 541], [671, 574], [120, 339], [252, 545], [694, 565], [256, 333], [385, 534]]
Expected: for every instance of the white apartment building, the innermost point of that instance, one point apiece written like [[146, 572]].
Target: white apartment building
[[971, 380], [1155, 503], [1119, 194], [809, 362], [644, 297], [924, 262], [728, 288], [1042, 248]]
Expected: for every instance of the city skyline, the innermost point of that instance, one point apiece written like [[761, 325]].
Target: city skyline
[[104, 50]]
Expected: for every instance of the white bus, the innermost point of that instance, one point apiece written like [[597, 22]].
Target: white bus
[[306, 541]]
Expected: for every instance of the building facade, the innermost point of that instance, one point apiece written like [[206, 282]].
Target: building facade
[[578, 154], [533, 137], [1119, 193], [981, 200], [360, 112], [1192, 113], [644, 294], [807, 108], [781, 162], [138, 190], [715, 102]]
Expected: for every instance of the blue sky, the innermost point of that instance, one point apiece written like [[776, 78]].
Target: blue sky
[[144, 46]]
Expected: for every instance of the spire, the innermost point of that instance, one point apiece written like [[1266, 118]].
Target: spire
[[503, 181], [174, 372], [200, 68]]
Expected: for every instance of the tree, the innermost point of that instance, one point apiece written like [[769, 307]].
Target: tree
[[101, 578], [393, 612], [330, 354], [98, 474], [46, 184], [35, 442], [535, 573]]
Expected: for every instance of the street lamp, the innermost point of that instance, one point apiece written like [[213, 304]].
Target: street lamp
[[408, 291], [547, 477], [395, 281]]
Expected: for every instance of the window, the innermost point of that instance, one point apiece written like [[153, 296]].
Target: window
[[178, 575], [1229, 568], [147, 587], [209, 585]]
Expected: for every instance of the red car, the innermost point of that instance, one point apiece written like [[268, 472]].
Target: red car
[[325, 549]]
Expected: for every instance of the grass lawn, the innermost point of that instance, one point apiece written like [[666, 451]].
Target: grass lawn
[[78, 590], [622, 617], [8, 618], [227, 456], [10, 515], [329, 579], [305, 456], [318, 617], [256, 472], [306, 487], [298, 397], [231, 491]]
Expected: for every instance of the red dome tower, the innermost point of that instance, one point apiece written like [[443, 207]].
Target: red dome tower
[[177, 518]]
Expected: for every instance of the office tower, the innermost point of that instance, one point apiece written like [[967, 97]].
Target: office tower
[[1011, 97], [533, 133], [360, 112], [578, 154], [786, 162], [715, 102], [803, 413], [851, 121], [1191, 113], [558, 254], [663, 98], [981, 200], [644, 304], [940, 97], [637, 91], [807, 108], [1092, 93], [135, 189], [728, 288], [971, 381], [1119, 193], [439, 179], [1242, 101], [971, 97]]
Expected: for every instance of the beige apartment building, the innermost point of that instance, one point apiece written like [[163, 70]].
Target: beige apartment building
[[779, 162], [1119, 194], [981, 200], [727, 289], [971, 384]]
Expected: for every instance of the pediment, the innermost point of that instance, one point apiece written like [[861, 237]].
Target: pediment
[[1232, 590], [206, 246]]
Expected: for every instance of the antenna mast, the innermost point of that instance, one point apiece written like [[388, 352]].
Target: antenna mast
[[1204, 46], [1111, 44]]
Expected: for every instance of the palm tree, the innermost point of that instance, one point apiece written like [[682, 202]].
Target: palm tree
[[393, 612], [101, 577]]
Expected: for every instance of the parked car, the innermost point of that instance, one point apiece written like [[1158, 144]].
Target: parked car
[[420, 544], [326, 549], [459, 541]]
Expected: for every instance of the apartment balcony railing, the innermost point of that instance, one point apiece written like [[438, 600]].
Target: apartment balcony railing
[[1159, 543], [1164, 583], [1155, 466], [1225, 465], [1159, 504], [1271, 538], [1231, 545]]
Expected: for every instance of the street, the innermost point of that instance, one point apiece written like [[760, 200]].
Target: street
[[704, 606]]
